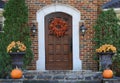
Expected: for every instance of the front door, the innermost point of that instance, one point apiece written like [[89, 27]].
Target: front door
[[58, 41]]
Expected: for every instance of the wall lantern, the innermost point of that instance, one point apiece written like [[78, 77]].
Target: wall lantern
[[33, 30], [83, 29]]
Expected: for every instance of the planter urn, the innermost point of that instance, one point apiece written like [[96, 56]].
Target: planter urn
[[105, 60], [17, 59]]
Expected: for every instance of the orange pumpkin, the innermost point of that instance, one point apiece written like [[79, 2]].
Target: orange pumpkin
[[108, 73], [16, 73]]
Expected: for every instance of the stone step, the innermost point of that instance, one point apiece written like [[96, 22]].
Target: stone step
[[56, 81], [64, 75], [61, 76], [47, 81]]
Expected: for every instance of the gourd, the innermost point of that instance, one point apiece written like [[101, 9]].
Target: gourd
[[107, 73], [16, 73]]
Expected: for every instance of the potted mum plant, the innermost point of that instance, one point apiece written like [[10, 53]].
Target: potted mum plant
[[16, 50], [105, 53]]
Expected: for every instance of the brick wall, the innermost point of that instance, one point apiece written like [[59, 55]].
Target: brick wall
[[89, 11]]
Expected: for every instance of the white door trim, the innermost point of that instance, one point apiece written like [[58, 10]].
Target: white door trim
[[77, 63]]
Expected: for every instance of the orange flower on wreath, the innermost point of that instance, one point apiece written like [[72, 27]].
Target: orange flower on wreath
[[58, 27]]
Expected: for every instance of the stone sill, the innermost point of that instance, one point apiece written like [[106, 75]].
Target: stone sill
[[11, 80], [113, 80]]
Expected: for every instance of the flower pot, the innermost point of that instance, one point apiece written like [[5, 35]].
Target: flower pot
[[105, 60], [17, 59]]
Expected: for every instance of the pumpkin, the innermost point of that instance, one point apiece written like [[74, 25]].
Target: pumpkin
[[16, 73], [108, 73]]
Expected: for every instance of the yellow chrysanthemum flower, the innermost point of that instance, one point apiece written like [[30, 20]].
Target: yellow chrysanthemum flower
[[16, 47], [106, 48]]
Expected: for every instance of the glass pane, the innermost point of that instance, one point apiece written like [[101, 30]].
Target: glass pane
[[118, 15], [0, 27], [1, 19], [1, 23]]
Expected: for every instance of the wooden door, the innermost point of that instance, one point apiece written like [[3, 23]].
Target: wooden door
[[58, 48]]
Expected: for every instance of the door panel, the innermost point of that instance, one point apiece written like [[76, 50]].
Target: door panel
[[58, 50]]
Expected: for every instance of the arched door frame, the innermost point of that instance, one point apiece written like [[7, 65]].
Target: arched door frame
[[77, 63]]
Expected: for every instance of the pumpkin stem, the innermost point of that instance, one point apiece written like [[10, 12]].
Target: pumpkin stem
[[16, 67]]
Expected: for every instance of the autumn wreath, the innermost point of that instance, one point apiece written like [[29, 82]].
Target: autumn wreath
[[58, 27]]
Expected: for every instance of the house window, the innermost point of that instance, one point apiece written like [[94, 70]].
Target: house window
[[118, 15], [1, 20], [1, 23]]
